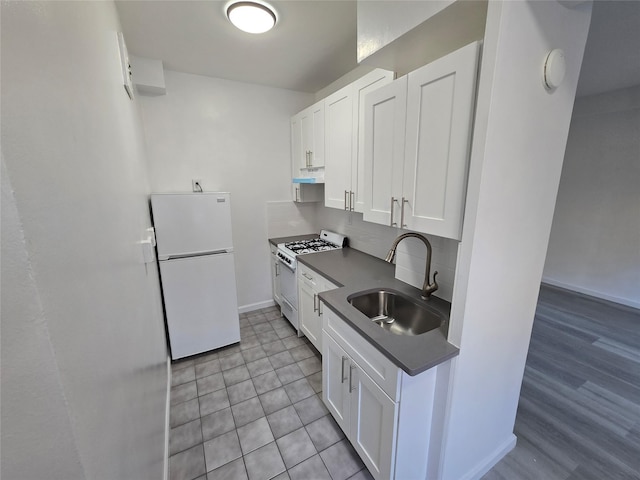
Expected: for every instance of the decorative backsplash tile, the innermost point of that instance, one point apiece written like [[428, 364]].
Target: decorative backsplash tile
[[288, 218], [411, 254]]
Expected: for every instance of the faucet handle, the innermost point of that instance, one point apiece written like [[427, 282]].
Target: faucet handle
[[429, 288]]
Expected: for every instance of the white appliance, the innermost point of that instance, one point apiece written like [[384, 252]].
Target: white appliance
[[286, 254], [195, 254]]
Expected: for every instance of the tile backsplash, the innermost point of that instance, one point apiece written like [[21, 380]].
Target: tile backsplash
[[411, 260], [367, 237], [287, 218], [411, 254]]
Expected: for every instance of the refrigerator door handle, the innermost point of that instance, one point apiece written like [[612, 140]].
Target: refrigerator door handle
[[198, 254]]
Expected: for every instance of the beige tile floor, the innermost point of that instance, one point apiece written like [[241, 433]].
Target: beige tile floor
[[254, 411]]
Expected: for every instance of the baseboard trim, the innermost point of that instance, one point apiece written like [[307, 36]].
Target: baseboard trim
[[167, 426], [592, 293], [492, 459], [256, 306]]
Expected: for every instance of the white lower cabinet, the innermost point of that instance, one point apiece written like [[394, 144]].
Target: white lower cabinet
[[363, 411], [310, 284], [392, 421]]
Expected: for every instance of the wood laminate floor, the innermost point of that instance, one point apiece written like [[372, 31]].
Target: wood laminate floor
[[579, 411]]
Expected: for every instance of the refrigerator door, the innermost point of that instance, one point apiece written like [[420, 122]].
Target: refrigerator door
[[200, 302], [191, 223]]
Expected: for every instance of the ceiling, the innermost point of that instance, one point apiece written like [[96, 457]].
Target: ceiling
[[314, 42]]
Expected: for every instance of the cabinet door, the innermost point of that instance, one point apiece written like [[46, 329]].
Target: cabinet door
[[384, 128], [335, 370], [312, 125], [297, 153], [440, 105], [338, 140], [310, 322], [372, 423], [360, 88]]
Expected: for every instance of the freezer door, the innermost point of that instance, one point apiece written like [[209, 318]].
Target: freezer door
[[201, 303], [191, 223]]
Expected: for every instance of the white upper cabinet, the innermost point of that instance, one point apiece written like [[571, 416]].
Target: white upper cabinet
[[307, 138], [344, 114], [307, 152], [384, 129], [435, 141], [339, 143]]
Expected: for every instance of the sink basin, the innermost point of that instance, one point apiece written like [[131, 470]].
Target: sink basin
[[396, 313]]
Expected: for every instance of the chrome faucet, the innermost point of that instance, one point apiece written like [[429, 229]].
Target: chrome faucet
[[427, 288]]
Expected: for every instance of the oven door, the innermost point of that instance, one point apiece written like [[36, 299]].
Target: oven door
[[288, 284]]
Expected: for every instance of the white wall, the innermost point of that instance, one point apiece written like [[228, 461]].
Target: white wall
[[84, 377], [594, 246], [381, 22], [234, 137], [519, 140]]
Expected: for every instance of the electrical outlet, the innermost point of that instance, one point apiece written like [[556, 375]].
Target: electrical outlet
[[196, 185]]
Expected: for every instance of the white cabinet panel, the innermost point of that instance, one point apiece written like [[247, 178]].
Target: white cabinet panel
[[307, 152], [393, 435], [440, 105], [384, 132], [344, 115], [375, 364], [339, 144], [373, 423], [335, 365], [361, 88], [417, 143], [310, 321], [310, 284], [307, 138]]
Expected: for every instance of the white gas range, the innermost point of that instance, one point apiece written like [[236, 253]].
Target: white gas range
[[287, 253]]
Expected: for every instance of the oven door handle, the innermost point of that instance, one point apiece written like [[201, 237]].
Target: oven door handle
[[293, 269]]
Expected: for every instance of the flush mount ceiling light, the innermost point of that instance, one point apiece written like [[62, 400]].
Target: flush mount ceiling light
[[252, 17]]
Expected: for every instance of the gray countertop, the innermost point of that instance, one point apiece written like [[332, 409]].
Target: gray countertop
[[356, 271]]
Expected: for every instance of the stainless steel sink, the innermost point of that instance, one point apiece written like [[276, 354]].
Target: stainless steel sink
[[395, 312]]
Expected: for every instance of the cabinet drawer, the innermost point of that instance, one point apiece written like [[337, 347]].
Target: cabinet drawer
[[314, 279], [375, 364]]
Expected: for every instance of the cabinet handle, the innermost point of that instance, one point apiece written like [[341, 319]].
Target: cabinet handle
[[402, 224], [310, 159], [297, 192], [346, 194], [320, 306], [315, 296], [351, 195], [306, 158], [351, 387], [392, 223], [277, 271], [342, 377]]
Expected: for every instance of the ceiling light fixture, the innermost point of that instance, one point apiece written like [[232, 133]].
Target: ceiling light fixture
[[252, 17]]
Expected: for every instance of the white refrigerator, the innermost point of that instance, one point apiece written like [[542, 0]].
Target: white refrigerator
[[195, 254]]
